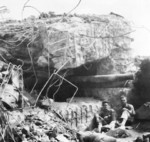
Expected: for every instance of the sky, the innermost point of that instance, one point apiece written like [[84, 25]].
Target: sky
[[137, 11]]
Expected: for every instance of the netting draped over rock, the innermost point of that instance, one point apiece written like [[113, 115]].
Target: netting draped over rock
[[45, 45], [80, 42], [75, 41]]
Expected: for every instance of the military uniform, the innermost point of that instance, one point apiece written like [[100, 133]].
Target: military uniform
[[128, 113], [107, 116]]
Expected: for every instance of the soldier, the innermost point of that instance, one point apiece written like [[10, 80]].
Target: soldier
[[127, 111], [106, 118]]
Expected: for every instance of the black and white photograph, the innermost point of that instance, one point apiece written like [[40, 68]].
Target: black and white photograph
[[74, 70]]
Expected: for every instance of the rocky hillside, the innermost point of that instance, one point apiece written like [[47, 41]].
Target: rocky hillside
[[78, 44]]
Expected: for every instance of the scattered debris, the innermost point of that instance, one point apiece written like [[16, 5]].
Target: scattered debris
[[38, 125], [118, 133]]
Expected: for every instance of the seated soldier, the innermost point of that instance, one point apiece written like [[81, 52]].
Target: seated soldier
[[127, 111], [106, 117]]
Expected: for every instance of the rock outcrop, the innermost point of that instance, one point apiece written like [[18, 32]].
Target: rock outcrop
[[76, 41], [143, 113], [79, 45]]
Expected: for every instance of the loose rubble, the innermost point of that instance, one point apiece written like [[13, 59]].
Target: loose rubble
[[37, 125]]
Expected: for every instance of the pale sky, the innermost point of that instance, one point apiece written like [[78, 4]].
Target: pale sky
[[138, 11]]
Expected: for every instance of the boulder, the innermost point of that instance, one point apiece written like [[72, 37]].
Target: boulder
[[143, 113], [9, 95], [61, 138], [46, 103]]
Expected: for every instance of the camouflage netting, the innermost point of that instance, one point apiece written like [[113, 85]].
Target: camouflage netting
[[91, 40], [76, 40], [94, 44]]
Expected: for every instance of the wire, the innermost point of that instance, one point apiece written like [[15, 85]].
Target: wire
[[50, 87], [74, 7], [2, 7], [33, 8], [36, 81], [9, 42], [3, 58], [48, 82], [109, 36], [59, 85], [24, 8], [72, 85], [6, 42], [87, 68]]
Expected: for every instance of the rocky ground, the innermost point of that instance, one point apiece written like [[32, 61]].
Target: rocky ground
[[53, 124], [36, 125]]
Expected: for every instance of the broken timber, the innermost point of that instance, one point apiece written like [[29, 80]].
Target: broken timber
[[104, 81]]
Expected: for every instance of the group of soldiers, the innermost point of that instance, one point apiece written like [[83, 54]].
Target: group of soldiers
[[107, 120]]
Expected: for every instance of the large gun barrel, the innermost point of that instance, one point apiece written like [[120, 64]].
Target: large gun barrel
[[104, 81]]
